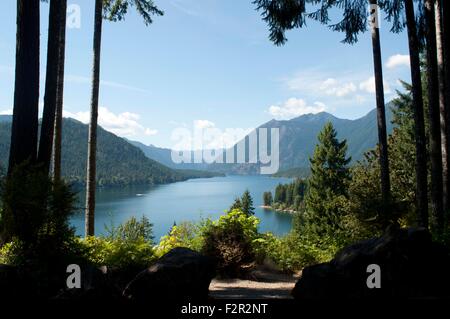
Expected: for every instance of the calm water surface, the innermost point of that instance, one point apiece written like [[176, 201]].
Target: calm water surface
[[184, 201]]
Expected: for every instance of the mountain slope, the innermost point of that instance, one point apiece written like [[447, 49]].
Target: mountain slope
[[118, 162], [298, 138]]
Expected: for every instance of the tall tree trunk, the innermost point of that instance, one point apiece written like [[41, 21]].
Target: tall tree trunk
[[24, 129], [381, 118], [92, 143], [434, 115], [57, 137], [443, 107], [419, 122], [446, 39], [51, 82]]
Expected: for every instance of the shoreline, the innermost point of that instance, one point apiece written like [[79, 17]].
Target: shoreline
[[289, 211]]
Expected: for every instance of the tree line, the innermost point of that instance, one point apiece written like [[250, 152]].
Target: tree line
[[424, 22]]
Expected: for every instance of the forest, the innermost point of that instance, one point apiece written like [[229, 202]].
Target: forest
[[388, 213]]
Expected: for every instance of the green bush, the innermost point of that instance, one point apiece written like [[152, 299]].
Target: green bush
[[230, 241], [127, 245], [187, 235]]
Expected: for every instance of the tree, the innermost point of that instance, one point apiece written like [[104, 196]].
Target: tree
[[280, 194], [282, 15], [113, 10], [267, 198], [394, 9], [329, 178], [381, 114], [443, 105], [237, 204], [57, 137], [434, 115], [26, 88], [57, 8], [247, 203]]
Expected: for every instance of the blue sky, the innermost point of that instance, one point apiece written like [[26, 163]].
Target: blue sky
[[208, 63]]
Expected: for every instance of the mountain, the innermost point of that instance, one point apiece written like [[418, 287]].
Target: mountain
[[298, 138], [118, 162], [164, 156]]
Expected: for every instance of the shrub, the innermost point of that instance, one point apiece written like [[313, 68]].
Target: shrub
[[230, 241], [186, 235], [129, 245]]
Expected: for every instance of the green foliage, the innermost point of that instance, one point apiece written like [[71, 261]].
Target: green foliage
[[35, 210], [116, 10], [132, 230], [118, 162], [247, 203], [328, 184], [229, 240], [290, 196], [244, 204], [267, 199], [127, 245], [364, 191], [186, 235]]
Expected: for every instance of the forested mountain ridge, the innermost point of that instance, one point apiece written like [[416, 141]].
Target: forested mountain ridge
[[297, 142], [118, 162]]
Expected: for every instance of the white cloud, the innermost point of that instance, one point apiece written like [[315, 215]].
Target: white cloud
[[123, 124], [294, 107], [397, 60], [202, 124], [332, 86], [368, 86], [6, 112]]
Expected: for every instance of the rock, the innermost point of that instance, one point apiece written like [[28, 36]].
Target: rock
[[96, 284], [180, 274], [11, 283], [412, 266]]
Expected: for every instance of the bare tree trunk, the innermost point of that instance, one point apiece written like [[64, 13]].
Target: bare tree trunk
[[381, 118], [57, 137], [51, 82], [92, 143], [434, 115], [24, 129], [419, 121], [443, 106], [446, 38]]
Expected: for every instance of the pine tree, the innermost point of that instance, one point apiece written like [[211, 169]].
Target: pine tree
[[247, 203], [329, 178], [267, 198]]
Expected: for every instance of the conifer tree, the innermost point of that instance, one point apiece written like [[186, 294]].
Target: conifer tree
[[247, 203], [329, 177]]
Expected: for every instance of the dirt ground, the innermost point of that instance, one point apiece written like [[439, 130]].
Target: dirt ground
[[261, 284]]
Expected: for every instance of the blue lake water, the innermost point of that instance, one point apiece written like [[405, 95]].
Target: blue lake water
[[184, 201]]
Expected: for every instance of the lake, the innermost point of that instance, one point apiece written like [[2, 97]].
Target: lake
[[183, 201]]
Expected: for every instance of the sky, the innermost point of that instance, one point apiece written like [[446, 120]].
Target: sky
[[206, 64]]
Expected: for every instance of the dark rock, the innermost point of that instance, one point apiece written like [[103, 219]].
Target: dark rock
[[412, 266], [12, 284], [96, 284], [180, 274]]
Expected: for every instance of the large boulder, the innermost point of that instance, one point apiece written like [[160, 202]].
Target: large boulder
[[96, 284], [180, 274], [13, 285], [411, 266]]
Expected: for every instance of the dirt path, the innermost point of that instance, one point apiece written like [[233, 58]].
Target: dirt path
[[263, 284]]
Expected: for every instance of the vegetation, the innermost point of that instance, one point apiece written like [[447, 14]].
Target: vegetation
[[244, 204], [118, 162], [288, 197]]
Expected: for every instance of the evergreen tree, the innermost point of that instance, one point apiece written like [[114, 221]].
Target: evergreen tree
[[329, 178], [280, 194], [247, 203], [267, 198], [237, 204]]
